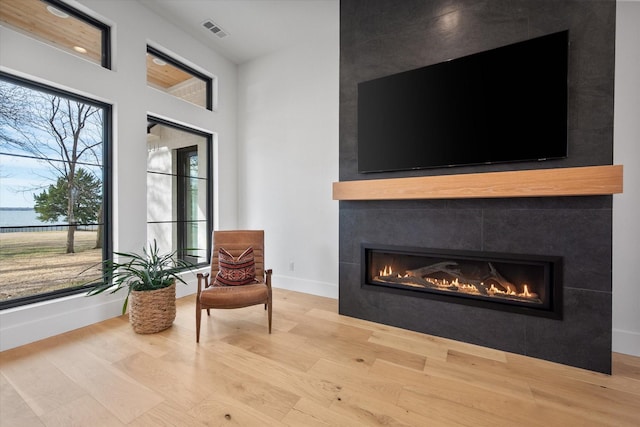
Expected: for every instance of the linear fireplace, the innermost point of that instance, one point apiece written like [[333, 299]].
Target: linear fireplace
[[526, 284]]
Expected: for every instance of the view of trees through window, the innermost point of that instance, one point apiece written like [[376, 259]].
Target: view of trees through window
[[52, 190]]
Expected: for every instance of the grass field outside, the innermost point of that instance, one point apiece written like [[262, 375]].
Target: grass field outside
[[32, 263]]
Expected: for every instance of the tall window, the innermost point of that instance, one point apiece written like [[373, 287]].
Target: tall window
[[60, 25], [53, 186], [178, 177]]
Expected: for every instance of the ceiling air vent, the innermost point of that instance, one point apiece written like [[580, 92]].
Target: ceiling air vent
[[215, 28]]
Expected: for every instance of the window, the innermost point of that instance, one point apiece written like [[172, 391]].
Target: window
[[178, 202], [54, 209], [60, 25], [168, 75], [187, 206]]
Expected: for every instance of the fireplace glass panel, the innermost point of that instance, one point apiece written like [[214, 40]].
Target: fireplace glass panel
[[512, 282]]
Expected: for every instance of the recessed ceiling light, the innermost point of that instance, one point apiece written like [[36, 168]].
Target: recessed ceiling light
[[159, 61], [57, 12], [80, 49]]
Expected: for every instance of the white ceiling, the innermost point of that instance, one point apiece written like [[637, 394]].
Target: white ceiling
[[255, 27]]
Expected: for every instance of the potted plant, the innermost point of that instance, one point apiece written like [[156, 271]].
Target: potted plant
[[150, 281]]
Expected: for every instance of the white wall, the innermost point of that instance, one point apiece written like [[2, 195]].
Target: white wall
[[288, 158], [626, 206], [133, 26]]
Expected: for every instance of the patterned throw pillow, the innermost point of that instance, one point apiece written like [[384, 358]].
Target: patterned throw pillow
[[236, 271]]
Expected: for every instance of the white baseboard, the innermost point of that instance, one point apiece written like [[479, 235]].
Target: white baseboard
[[626, 342], [322, 289], [33, 322], [313, 287], [29, 323]]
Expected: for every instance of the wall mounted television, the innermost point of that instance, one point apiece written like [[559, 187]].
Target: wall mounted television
[[507, 104]]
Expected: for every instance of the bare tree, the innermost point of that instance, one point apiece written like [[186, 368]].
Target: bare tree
[[62, 132]]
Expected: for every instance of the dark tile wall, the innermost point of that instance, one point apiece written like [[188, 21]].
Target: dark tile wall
[[381, 37]]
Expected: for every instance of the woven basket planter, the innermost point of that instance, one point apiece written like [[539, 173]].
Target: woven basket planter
[[152, 311]]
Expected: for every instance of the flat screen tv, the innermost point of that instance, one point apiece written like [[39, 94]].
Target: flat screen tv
[[507, 104]]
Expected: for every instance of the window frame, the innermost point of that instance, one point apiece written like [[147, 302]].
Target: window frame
[[209, 188], [182, 155], [104, 60], [107, 187], [174, 62], [104, 28]]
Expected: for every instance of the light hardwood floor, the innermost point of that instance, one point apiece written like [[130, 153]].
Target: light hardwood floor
[[317, 369]]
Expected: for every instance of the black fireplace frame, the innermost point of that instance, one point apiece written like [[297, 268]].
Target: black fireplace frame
[[553, 266]]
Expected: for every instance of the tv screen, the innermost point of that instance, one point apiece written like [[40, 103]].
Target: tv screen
[[507, 104]]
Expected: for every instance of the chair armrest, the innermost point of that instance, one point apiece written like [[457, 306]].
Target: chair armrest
[[202, 277], [267, 279]]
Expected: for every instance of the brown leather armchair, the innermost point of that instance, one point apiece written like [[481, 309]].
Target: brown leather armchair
[[215, 294]]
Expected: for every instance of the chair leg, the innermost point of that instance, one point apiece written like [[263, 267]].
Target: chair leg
[[269, 314], [198, 316]]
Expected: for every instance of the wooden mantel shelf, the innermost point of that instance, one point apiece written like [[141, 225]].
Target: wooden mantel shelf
[[577, 181]]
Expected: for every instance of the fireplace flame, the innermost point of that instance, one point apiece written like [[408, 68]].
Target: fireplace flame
[[388, 272], [456, 285], [526, 292], [494, 290], [446, 276]]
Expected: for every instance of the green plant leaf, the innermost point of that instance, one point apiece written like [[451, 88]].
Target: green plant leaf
[[140, 272]]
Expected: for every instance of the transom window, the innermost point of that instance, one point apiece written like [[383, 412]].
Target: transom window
[[171, 76], [60, 25]]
